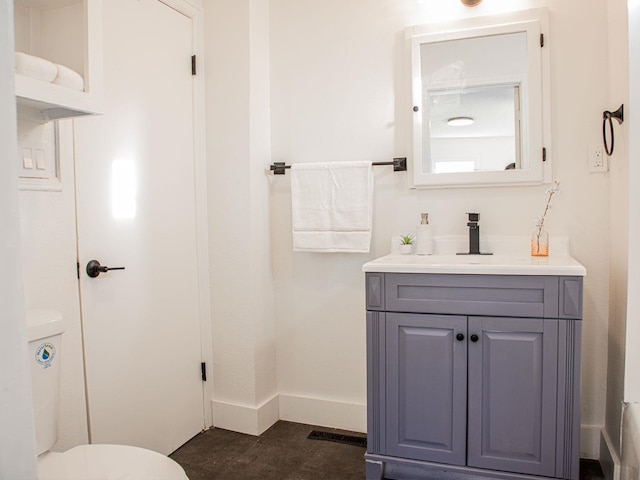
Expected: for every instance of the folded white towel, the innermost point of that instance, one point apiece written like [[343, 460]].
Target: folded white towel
[[332, 206], [35, 67], [68, 78]]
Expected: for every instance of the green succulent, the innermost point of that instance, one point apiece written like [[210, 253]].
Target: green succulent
[[406, 240]]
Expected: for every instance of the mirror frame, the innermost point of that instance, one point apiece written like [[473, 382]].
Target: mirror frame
[[536, 150]]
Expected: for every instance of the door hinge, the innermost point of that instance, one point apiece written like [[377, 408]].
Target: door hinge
[[193, 64], [203, 371], [544, 154], [541, 40]]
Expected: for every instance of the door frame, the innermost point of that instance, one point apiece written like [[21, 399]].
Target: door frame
[[632, 357], [196, 14]]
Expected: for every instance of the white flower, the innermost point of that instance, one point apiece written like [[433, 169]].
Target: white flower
[[555, 188]]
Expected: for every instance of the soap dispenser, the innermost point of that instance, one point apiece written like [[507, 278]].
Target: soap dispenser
[[424, 236]]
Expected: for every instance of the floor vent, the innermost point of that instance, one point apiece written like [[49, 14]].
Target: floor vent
[[338, 438]]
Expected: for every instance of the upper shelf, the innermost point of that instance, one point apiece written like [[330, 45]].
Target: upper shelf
[[53, 101], [67, 33]]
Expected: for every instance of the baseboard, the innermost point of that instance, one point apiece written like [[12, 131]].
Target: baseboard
[[245, 419], [609, 460], [594, 442], [324, 413], [353, 416], [590, 441]]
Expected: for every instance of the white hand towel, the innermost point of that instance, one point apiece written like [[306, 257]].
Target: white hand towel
[[35, 67], [332, 206], [68, 78]]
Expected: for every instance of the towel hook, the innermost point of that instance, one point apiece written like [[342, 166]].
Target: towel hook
[[608, 116]]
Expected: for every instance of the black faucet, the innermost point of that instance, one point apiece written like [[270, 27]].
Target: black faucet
[[474, 235]]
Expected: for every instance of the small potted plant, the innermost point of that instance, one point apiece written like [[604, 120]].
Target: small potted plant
[[406, 244]]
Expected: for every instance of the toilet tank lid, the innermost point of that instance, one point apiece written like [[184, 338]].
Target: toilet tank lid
[[43, 323]]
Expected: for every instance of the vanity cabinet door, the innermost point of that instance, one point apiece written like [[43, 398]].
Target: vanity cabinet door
[[512, 394], [426, 386]]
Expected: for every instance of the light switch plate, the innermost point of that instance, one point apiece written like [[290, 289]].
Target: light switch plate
[[27, 159], [39, 154], [38, 151]]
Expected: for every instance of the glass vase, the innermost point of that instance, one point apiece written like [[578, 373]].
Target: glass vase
[[539, 243]]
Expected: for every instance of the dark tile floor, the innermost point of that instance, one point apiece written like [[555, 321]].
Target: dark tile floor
[[284, 453]]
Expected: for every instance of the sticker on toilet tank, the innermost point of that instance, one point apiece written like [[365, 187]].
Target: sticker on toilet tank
[[45, 354]]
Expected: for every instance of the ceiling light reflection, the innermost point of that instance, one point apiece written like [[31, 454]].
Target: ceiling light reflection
[[460, 121]]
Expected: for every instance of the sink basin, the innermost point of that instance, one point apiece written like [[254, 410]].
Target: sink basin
[[476, 264]]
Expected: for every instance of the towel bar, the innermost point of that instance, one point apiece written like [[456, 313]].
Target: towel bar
[[399, 165]]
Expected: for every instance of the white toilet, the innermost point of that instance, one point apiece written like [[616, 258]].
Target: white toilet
[[85, 462]]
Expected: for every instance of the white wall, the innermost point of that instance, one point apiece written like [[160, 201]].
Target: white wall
[[618, 66], [629, 450], [48, 245], [238, 146], [337, 93], [632, 372], [48, 241], [17, 439]]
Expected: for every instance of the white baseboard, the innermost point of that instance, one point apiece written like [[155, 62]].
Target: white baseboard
[[609, 460], [352, 416], [311, 411], [324, 413], [245, 419], [590, 441]]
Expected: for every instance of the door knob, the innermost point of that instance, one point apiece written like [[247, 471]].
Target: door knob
[[460, 337], [94, 268], [474, 338]]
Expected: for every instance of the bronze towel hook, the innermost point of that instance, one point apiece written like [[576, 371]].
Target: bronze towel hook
[[607, 115]]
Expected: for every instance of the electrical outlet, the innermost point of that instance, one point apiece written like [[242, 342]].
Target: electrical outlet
[[597, 159]]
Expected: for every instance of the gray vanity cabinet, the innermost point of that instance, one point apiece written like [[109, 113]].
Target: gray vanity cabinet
[[512, 394], [473, 375], [426, 390]]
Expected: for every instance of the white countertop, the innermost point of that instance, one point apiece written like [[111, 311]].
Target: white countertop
[[497, 264]]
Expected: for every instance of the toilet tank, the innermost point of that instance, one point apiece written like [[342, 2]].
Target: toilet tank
[[44, 332]]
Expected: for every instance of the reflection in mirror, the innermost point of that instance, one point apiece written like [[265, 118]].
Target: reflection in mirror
[[480, 79], [488, 140], [479, 101]]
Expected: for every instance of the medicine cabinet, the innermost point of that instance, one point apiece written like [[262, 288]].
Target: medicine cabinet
[[66, 36], [479, 101]]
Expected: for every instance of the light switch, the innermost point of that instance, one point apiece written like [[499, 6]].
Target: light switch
[[27, 158], [40, 159]]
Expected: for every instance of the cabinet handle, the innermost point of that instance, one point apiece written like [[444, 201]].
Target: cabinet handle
[[474, 338], [460, 337]]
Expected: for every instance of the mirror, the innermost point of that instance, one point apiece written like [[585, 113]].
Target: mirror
[[479, 101]]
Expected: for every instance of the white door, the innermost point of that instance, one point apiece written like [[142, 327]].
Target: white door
[[136, 209]]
